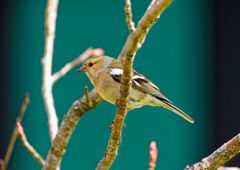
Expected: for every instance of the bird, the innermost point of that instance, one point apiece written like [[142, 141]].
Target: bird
[[105, 73]]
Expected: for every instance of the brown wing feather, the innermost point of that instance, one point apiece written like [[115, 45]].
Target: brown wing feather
[[141, 83]]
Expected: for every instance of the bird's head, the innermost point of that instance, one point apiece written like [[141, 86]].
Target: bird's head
[[94, 66]]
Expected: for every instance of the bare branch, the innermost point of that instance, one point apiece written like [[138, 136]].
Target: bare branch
[[218, 158], [27, 145], [23, 108], [80, 59], [14, 135], [128, 14], [70, 120], [50, 27], [136, 39], [127, 55], [153, 153]]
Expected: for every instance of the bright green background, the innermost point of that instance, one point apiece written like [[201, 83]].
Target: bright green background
[[176, 56]]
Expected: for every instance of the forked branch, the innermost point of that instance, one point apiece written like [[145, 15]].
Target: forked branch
[[48, 78], [133, 43], [27, 145], [5, 161], [70, 120], [78, 108]]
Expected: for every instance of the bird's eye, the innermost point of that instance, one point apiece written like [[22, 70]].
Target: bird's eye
[[90, 64]]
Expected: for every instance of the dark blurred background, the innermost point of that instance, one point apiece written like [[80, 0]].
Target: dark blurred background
[[192, 54]]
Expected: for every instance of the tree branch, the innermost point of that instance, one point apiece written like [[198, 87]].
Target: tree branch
[[50, 27], [133, 43], [48, 78], [218, 158], [70, 120], [128, 14], [27, 145], [4, 163], [80, 59], [136, 39], [153, 153]]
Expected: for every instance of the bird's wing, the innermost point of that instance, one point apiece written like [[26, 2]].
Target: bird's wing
[[139, 82]]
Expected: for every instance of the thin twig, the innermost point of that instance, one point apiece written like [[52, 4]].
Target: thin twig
[[218, 158], [14, 135], [136, 39], [70, 120], [153, 153], [50, 27], [80, 59], [27, 145], [133, 43], [128, 15], [87, 95]]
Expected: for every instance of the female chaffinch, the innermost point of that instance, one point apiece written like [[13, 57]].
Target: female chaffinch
[[105, 73]]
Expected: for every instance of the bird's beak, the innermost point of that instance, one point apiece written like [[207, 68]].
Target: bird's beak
[[82, 69]]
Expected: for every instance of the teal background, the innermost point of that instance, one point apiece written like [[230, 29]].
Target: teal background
[[176, 56]]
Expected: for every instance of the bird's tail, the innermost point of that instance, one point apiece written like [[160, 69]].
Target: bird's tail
[[178, 111]]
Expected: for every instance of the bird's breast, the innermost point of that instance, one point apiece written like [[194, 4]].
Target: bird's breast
[[107, 88]]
